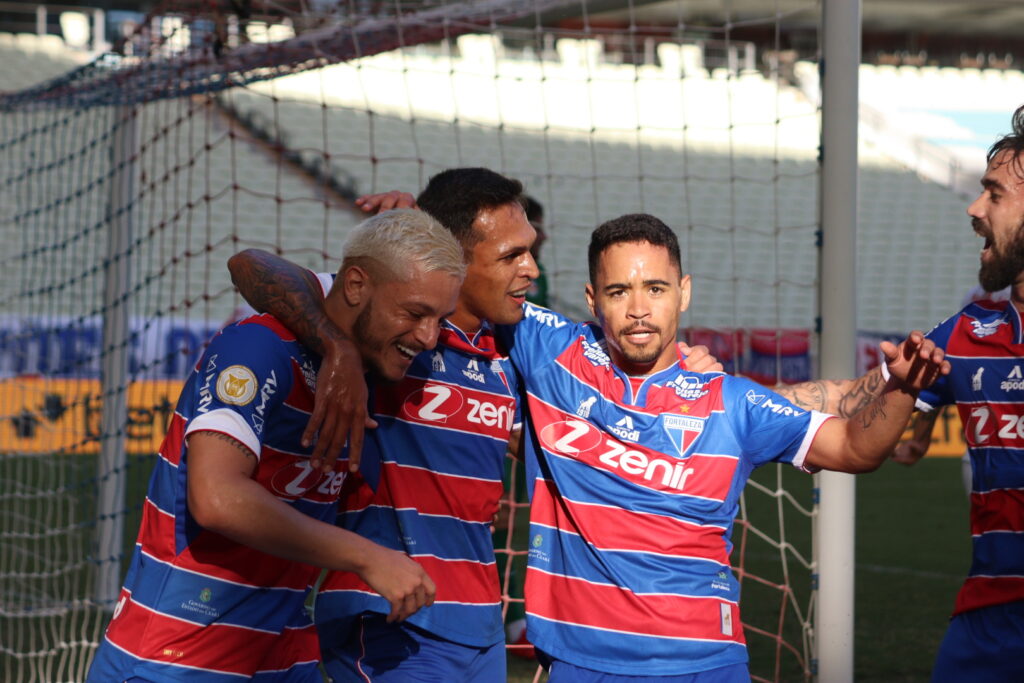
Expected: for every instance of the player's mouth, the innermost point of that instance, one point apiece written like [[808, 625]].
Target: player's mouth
[[640, 335], [980, 231], [407, 352], [519, 295]]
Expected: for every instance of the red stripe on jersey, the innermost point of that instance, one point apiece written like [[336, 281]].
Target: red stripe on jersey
[[432, 493], [217, 647], [171, 446], [271, 323], [1001, 510], [620, 529], [211, 554], [980, 591], [300, 397], [449, 406], [294, 646], [292, 477], [992, 425], [462, 581], [574, 601], [963, 341], [356, 493], [563, 434]]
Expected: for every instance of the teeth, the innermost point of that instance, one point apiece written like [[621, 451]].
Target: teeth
[[406, 351], [517, 293]]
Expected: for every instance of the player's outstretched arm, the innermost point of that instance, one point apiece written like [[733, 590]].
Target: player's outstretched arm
[[842, 397], [291, 294], [862, 442], [224, 498]]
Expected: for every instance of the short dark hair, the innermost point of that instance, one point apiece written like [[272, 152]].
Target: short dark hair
[[534, 210], [633, 227], [456, 196], [1011, 142]]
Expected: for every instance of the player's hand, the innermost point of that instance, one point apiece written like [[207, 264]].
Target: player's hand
[[385, 201], [916, 362], [908, 452], [339, 408], [401, 581], [699, 358]]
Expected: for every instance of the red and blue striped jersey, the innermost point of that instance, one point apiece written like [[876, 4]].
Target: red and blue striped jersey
[[430, 485], [194, 602], [635, 484], [983, 343]]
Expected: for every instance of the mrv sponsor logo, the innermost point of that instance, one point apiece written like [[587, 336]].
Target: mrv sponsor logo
[[544, 316]]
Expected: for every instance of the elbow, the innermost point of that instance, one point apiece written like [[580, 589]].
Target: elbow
[[237, 264], [209, 509]]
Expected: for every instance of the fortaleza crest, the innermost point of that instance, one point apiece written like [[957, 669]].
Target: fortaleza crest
[[682, 430]]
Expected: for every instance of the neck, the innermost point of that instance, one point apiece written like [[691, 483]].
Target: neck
[[1017, 295], [465, 321]]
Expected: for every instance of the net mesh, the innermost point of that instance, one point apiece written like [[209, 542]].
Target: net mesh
[[205, 132]]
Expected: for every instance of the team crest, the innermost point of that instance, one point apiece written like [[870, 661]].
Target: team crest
[[682, 430], [982, 330], [236, 385]]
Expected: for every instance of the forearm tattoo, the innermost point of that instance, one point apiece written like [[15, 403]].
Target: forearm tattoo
[[875, 410], [838, 397], [863, 391], [271, 285], [238, 445]]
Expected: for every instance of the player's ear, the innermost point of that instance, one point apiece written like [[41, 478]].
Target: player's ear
[[684, 293], [589, 292], [356, 285]]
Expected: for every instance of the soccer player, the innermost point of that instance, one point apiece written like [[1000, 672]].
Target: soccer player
[[985, 344], [636, 467], [237, 521], [431, 482]]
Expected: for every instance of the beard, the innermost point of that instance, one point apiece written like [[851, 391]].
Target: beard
[[366, 341], [636, 355], [1005, 265]]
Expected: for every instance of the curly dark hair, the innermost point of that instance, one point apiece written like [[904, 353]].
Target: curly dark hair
[[1011, 142]]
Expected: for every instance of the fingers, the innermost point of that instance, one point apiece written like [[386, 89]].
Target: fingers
[[916, 362], [420, 596], [385, 201]]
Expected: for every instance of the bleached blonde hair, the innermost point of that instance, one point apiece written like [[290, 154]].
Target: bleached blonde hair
[[389, 244]]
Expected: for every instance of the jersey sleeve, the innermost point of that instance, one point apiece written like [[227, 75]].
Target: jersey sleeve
[[537, 339], [938, 394], [767, 426], [244, 375]]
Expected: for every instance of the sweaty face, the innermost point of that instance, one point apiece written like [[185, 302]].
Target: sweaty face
[[499, 269], [637, 296], [998, 216], [401, 319]]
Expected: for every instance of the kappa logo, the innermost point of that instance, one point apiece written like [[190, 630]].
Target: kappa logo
[[976, 379], [437, 362], [236, 385], [596, 354], [688, 388], [982, 330], [682, 430], [472, 371], [543, 316], [585, 405], [624, 429]]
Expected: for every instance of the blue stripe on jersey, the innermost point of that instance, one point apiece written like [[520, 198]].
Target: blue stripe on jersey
[[173, 592], [156, 672], [651, 653], [998, 553], [448, 539], [997, 468], [640, 572]]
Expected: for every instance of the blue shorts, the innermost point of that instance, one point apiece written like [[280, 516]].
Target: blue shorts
[[983, 646], [379, 652], [564, 672]]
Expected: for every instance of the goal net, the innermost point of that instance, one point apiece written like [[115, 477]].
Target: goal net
[[128, 182]]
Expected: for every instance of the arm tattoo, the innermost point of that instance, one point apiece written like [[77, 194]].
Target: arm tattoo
[[238, 445], [874, 411], [863, 391], [808, 395], [291, 294]]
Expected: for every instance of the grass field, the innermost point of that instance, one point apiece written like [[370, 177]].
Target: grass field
[[913, 550]]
